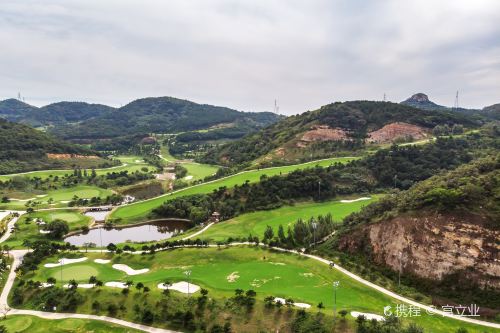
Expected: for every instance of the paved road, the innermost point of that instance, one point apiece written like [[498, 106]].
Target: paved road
[[10, 225]]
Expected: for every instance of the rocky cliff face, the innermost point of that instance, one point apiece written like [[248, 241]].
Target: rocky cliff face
[[394, 131], [432, 246]]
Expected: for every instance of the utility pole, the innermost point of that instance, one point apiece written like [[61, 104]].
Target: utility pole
[[188, 274], [314, 226], [335, 286], [455, 106], [385, 99], [319, 190]]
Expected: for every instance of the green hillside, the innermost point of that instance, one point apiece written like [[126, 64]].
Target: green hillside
[[348, 125], [162, 115], [23, 148]]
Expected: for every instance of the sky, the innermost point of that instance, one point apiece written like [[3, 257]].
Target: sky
[[247, 54]]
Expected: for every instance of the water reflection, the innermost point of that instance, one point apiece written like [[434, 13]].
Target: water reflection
[[142, 233]]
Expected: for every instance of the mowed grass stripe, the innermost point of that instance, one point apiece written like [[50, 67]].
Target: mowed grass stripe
[[139, 210]]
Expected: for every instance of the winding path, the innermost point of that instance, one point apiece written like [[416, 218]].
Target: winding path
[[18, 255]]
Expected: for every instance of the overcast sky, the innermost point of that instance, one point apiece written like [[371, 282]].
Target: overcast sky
[[245, 54]]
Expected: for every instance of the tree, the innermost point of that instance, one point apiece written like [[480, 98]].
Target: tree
[[146, 289], [88, 245], [111, 247], [58, 229], [93, 280], [73, 284], [51, 280], [268, 234], [139, 285]]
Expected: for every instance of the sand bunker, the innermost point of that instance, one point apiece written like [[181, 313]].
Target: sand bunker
[[65, 261], [116, 284], [354, 200], [368, 316], [299, 305], [45, 231], [188, 177], [277, 263], [129, 270], [102, 261], [181, 287], [82, 285], [232, 277], [46, 285]]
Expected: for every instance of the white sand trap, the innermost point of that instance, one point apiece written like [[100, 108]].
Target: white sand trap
[[139, 161], [102, 261], [354, 200], [45, 231], [232, 277], [116, 284], [129, 270], [65, 201], [181, 287], [46, 285], [65, 261], [188, 177], [368, 316], [41, 195], [299, 305], [82, 285], [277, 263]]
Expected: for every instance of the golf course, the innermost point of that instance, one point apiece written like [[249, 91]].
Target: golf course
[[140, 210], [255, 223], [222, 270], [28, 229], [129, 163], [32, 324]]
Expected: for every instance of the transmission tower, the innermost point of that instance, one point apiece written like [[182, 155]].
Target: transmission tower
[[385, 99], [276, 107], [455, 106]]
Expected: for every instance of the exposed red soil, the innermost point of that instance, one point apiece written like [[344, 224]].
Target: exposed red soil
[[324, 133], [394, 131]]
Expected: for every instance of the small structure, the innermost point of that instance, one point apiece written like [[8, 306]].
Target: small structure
[[215, 217]]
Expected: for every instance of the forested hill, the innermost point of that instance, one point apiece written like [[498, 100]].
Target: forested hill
[[163, 115], [23, 148], [335, 128], [52, 114]]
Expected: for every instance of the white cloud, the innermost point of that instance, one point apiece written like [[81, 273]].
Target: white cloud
[[245, 54]]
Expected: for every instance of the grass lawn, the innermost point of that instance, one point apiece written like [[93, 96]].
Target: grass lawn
[[140, 210], [199, 171], [255, 223], [267, 272], [30, 230], [60, 197], [32, 324], [129, 163]]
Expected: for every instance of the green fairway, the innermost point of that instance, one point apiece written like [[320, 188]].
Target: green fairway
[[255, 223], [32, 324], [140, 210], [129, 163], [60, 197], [30, 231], [198, 171], [221, 271]]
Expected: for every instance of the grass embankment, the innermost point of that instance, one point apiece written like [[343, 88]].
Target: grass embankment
[[31, 231], [256, 223], [32, 324], [140, 210], [221, 271]]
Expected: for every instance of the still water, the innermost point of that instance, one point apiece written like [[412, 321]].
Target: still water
[[142, 233]]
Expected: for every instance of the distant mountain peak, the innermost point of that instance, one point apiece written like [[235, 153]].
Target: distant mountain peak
[[419, 98], [421, 101]]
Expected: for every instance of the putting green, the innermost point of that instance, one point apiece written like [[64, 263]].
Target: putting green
[[83, 272], [140, 210], [32, 324], [269, 273]]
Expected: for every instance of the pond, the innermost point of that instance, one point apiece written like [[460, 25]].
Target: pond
[[153, 231]]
